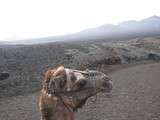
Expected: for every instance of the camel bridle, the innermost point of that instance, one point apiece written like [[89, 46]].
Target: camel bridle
[[57, 91]]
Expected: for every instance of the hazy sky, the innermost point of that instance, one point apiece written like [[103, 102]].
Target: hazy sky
[[21, 19]]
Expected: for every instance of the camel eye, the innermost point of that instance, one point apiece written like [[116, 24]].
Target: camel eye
[[81, 83]]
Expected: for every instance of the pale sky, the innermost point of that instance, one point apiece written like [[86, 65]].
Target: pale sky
[[21, 19]]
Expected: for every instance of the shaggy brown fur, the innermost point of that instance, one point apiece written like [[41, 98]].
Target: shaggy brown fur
[[53, 107]]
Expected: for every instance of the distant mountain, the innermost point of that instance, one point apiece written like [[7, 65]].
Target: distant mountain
[[132, 28], [101, 29], [125, 30], [152, 23]]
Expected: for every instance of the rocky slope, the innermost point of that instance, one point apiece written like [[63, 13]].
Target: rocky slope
[[27, 63]]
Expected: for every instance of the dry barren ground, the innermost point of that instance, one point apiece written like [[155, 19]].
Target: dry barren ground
[[136, 96]]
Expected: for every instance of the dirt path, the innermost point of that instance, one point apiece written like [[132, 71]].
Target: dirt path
[[136, 96]]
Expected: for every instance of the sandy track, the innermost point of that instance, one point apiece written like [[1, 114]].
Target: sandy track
[[136, 96]]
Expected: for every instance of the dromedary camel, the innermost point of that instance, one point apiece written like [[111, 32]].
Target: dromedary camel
[[65, 90]]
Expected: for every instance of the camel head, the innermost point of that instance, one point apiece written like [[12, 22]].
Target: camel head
[[63, 79]]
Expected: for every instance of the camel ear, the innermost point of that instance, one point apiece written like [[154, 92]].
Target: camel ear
[[49, 74], [87, 70], [59, 70]]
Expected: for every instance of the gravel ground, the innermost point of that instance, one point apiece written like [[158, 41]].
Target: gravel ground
[[136, 96]]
